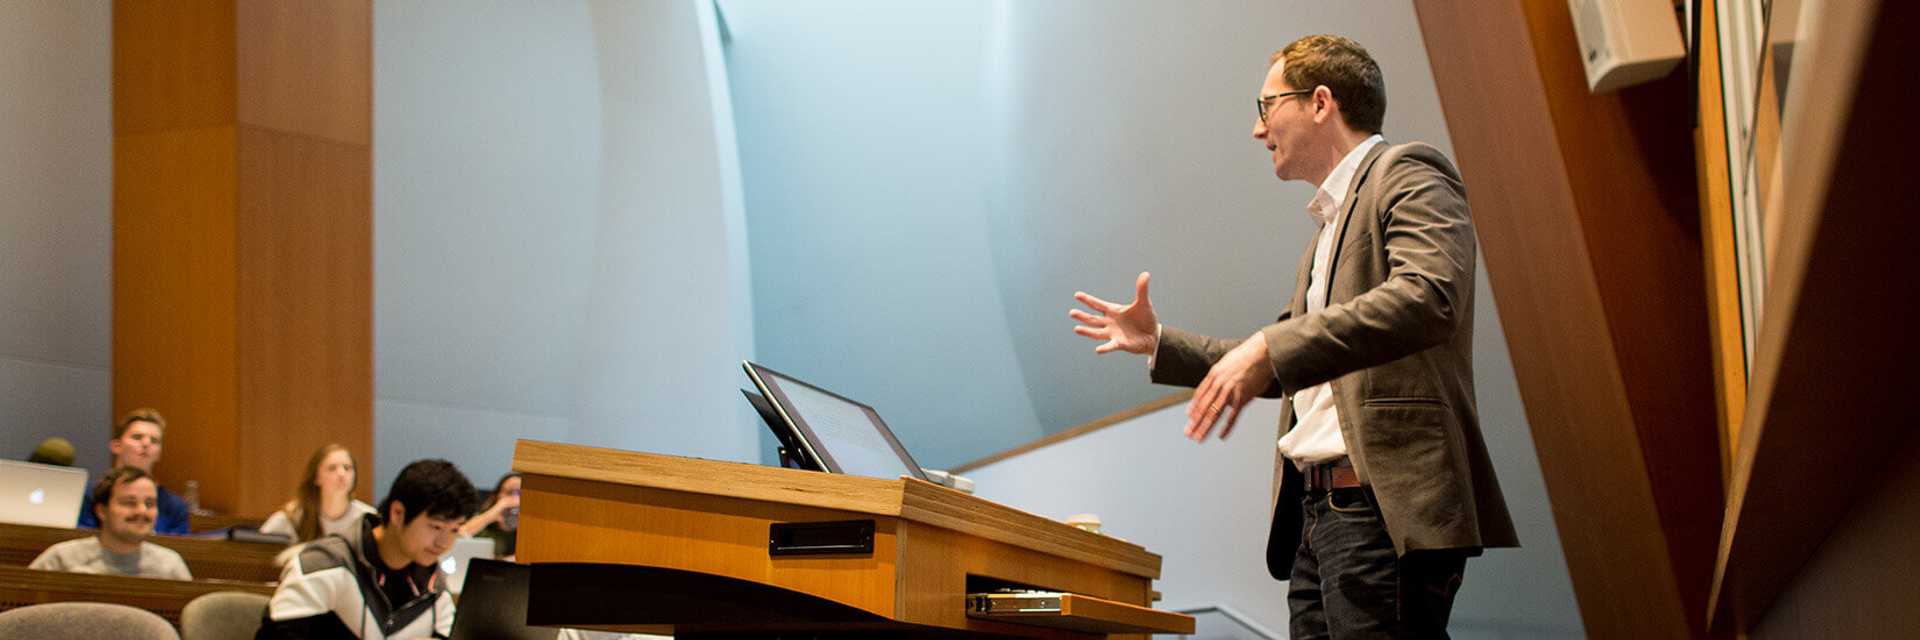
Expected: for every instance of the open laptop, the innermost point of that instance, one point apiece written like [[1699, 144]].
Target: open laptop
[[494, 606], [41, 494], [455, 564]]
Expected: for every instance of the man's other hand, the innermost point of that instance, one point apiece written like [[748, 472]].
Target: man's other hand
[[1236, 379], [1128, 327]]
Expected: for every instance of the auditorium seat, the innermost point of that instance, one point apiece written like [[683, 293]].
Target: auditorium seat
[[84, 621]]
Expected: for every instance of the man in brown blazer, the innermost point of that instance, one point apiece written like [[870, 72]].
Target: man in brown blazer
[[1383, 485]]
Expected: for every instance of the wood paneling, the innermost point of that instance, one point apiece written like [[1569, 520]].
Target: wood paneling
[[1827, 420], [305, 315], [854, 494], [564, 519], [1716, 224], [242, 237], [1586, 211], [615, 507], [204, 522], [911, 499], [931, 582], [303, 68], [174, 280], [172, 65], [942, 507]]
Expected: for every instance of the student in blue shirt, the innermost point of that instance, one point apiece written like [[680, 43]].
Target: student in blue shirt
[[136, 443]]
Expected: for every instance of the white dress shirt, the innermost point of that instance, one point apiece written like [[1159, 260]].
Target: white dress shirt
[[1315, 438]]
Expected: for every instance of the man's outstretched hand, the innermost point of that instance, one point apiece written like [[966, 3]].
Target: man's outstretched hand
[[1127, 327]]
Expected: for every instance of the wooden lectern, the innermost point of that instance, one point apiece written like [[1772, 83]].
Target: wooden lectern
[[622, 540]]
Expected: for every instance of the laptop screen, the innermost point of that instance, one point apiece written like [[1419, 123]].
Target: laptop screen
[[494, 606], [41, 495], [844, 435]]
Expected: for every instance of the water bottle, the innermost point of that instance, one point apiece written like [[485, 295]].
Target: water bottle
[[511, 520], [192, 496]]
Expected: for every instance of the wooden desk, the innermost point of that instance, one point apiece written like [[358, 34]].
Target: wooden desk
[[207, 559], [640, 532], [200, 522], [20, 587]]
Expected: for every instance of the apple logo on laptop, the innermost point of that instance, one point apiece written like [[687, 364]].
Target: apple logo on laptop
[[37, 497], [448, 565]]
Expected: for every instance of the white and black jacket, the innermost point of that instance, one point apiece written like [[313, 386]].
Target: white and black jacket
[[330, 590]]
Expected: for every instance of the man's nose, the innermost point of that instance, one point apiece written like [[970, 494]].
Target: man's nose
[[1259, 130]]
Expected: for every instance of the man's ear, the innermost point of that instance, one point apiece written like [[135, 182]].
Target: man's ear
[[1324, 103], [100, 513], [397, 513]]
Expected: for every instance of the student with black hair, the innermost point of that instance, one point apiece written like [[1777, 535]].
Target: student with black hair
[[381, 581]]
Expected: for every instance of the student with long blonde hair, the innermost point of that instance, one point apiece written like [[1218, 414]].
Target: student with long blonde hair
[[324, 504]]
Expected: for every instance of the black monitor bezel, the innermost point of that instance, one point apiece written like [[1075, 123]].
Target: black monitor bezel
[[768, 381]]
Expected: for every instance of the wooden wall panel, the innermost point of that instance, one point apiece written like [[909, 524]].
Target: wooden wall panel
[[304, 68], [172, 65], [243, 237], [1630, 165], [306, 321], [1586, 211], [174, 274], [1716, 223]]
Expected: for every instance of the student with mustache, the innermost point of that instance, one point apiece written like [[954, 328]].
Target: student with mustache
[[125, 502], [136, 443]]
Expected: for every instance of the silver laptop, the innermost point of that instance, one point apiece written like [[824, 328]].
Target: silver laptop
[[42, 495], [464, 550]]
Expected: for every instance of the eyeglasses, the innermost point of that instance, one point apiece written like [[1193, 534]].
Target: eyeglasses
[[1260, 105]]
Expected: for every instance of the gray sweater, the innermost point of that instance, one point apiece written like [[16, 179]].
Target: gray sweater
[[86, 555]]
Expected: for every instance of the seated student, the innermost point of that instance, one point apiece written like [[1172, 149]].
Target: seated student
[[55, 451], [380, 581], [136, 443], [125, 501], [324, 504], [500, 518]]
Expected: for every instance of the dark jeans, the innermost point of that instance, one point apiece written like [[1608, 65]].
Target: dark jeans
[[1348, 583]]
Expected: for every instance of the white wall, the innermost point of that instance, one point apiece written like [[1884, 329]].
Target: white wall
[[559, 250], [56, 226], [869, 165]]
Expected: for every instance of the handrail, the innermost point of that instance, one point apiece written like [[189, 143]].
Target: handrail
[[1234, 615], [1077, 431]]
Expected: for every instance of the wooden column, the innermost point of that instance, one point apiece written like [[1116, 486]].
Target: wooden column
[[1588, 218], [242, 279]]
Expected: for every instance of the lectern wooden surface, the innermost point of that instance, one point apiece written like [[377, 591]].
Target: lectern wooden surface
[[931, 545]]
